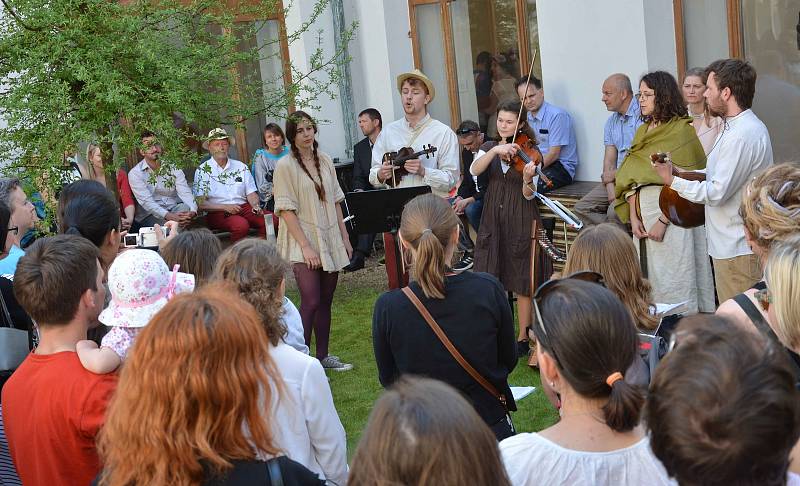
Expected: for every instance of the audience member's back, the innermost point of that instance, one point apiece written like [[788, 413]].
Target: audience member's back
[[723, 408], [52, 406]]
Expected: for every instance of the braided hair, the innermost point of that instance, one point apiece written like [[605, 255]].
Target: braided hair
[[291, 133]]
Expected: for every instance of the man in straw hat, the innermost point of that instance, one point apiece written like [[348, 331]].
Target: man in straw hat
[[227, 190], [416, 129]]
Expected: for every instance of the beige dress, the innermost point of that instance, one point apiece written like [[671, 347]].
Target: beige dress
[[294, 191]]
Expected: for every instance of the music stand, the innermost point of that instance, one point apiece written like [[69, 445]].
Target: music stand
[[379, 211]]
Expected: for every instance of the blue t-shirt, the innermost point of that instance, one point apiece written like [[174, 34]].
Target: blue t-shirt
[[8, 265], [553, 126]]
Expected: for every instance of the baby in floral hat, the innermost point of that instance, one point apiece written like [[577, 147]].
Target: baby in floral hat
[[140, 284]]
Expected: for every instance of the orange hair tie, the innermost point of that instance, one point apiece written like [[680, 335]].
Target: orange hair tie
[[613, 378]]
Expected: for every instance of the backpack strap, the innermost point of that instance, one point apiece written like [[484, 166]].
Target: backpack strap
[[452, 349]]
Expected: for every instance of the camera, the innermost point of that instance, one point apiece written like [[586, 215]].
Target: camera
[[145, 238]]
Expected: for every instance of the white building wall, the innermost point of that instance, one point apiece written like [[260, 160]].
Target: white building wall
[[584, 41], [331, 136]]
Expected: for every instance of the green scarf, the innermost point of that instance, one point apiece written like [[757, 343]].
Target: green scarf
[[676, 136]]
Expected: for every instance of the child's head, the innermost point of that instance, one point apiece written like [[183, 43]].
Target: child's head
[[196, 251], [140, 284], [257, 271]]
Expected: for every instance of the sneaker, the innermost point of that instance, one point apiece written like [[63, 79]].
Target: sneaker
[[465, 263], [333, 363]]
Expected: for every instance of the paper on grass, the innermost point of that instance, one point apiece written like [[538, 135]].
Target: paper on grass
[[520, 392]]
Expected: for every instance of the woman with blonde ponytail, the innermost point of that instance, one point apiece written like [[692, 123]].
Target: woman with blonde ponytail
[[586, 340], [471, 308]]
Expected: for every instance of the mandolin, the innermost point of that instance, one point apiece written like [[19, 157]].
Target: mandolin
[[681, 212], [399, 158]]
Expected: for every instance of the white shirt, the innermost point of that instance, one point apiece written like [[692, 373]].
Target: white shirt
[[156, 199], [743, 149], [294, 324], [224, 185], [304, 421], [530, 459], [441, 169]]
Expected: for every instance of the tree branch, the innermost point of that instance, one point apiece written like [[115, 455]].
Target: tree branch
[[17, 17]]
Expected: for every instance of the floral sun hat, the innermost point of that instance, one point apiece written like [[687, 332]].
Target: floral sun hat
[[141, 284]]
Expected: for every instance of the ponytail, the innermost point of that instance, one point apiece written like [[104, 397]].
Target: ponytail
[[430, 265], [624, 406], [427, 225]]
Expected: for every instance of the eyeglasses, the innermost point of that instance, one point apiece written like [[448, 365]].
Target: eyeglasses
[[15, 229], [547, 287], [764, 298], [644, 95]]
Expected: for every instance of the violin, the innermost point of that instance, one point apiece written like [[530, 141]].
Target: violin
[[399, 158], [528, 152], [681, 212]]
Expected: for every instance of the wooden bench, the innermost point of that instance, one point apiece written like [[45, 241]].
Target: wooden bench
[[568, 196]]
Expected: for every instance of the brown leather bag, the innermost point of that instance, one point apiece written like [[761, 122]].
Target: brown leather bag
[[453, 351]]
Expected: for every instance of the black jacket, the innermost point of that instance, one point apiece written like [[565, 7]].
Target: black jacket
[[467, 187], [362, 161], [474, 315]]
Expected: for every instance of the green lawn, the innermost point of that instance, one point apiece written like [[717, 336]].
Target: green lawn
[[355, 391]]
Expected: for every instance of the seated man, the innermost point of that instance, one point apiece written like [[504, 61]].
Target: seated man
[[595, 207], [23, 219], [52, 407], [554, 132], [722, 407], [468, 203], [227, 190], [168, 197]]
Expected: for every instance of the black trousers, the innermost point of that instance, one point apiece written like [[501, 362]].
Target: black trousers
[[558, 174]]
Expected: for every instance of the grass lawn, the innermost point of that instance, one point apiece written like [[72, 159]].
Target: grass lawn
[[355, 391]]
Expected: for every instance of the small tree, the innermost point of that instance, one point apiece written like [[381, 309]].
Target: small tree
[[103, 71]]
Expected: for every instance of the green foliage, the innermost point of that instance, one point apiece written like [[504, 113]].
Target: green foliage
[[76, 71]]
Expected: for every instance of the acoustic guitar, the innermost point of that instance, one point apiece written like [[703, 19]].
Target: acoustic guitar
[[398, 160], [681, 212]]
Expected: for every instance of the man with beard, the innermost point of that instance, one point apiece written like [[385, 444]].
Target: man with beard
[[416, 129], [227, 190], [741, 150]]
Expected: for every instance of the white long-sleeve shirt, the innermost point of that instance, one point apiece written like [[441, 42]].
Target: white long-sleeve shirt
[[304, 421], [157, 199], [441, 168], [742, 150]]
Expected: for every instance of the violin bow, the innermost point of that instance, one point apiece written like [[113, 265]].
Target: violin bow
[[522, 100]]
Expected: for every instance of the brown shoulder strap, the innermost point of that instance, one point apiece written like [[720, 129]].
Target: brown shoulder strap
[[452, 349]]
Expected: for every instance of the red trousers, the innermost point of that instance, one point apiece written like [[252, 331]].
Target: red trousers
[[237, 224]]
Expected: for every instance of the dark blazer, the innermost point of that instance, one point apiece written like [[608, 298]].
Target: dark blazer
[[362, 161], [467, 187]]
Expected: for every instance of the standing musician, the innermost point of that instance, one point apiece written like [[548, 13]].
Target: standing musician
[[743, 149], [416, 129], [505, 245]]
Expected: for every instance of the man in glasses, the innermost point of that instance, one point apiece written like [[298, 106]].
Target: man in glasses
[[165, 197]]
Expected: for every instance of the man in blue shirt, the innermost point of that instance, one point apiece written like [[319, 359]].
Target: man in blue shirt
[[554, 132], [23, 219], [595, 207]]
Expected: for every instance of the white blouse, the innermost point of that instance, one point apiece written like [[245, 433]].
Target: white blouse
[[531, 459]]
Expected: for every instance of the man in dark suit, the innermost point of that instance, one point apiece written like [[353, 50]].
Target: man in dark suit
[[371, 124]]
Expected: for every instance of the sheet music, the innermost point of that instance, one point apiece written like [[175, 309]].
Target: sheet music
[[561, 211]]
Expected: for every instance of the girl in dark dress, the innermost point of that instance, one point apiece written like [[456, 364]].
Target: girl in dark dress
[[505, 245]]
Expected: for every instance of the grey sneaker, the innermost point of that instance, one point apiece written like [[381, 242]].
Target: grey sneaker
[[333, 363]]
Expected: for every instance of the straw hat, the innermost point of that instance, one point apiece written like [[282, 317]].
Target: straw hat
[[218, 134], [418, 75]]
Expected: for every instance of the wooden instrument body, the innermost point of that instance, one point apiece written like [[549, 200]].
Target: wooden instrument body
[[681, 212], [398, 160]]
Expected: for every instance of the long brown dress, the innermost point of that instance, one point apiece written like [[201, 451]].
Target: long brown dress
[[504, 243]]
